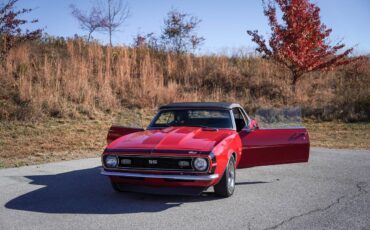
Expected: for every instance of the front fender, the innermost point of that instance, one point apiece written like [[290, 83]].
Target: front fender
[[223, 151]]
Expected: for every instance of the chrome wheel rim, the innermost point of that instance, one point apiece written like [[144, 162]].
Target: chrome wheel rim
[[231, 177]]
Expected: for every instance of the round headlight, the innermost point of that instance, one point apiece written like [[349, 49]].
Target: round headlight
[[111, 161], [200, 164]]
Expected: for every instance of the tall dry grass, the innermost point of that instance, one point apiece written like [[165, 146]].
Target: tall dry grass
[[77, 79]]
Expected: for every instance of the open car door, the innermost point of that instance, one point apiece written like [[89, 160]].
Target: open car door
[[117, 131], [273, 146], [270, 146]]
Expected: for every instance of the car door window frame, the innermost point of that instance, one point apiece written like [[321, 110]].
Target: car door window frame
[[240, 111], [246, 117]]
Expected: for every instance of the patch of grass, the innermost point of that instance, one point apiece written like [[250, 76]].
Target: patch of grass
[[54, 140], [339, 135], [25, 143]]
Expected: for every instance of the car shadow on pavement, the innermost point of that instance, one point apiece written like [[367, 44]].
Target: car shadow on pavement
[[251, 182], [86, 192]]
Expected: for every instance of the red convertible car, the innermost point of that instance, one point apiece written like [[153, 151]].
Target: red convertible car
[[189, 147]]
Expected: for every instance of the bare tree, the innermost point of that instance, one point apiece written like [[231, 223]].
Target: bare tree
[[146, 40], [91, 21], [116, 14], [178, 34]]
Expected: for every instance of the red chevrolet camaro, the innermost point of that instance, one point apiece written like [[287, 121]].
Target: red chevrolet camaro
[[189, 147]]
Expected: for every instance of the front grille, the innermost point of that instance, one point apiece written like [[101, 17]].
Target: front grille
[[156, 163]]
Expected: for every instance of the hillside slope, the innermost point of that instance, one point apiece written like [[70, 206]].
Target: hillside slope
[[71, 79]]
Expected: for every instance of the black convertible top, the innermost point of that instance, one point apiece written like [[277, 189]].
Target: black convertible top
[[200, 105]]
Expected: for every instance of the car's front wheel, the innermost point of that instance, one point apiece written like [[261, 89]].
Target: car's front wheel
[[226, 186]]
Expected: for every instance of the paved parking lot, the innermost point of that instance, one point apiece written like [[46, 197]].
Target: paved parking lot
[[329, 192]]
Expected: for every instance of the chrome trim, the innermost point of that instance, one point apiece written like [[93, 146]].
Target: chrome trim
[[158, 176], [192, 158], [151, 127]]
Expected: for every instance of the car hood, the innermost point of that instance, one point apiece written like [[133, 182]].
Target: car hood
[[172, 138]]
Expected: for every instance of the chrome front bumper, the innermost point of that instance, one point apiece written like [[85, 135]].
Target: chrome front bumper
[[163, 176]]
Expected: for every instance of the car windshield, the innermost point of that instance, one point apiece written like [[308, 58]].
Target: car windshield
[[193, 117]]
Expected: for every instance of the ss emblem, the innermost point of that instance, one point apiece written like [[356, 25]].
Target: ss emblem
[[153, 162]]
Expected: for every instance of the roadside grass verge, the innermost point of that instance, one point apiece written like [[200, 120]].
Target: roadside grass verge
[[32, 143], [26, 143], [339, 135]]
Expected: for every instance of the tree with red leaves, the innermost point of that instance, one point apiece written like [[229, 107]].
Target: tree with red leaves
[[11, 33], [301, 42]]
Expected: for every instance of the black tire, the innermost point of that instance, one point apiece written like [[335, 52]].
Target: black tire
[[116, 187], [226, 186]]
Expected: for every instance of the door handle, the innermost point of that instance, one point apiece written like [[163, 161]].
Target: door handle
[[296, 136]]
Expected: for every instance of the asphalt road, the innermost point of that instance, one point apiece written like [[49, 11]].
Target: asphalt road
[[329, 192]]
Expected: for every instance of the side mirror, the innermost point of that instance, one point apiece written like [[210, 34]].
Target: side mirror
[[253, 124]]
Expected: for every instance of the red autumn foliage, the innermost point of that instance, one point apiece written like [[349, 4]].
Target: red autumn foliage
[[301, 42], [11, 32]]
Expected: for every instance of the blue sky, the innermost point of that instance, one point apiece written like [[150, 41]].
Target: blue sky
[[224, 23]]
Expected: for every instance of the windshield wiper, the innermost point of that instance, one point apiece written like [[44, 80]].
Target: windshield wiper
[[202, 126]]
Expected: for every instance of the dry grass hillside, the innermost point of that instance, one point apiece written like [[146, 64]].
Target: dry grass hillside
[[58, 98], [75, 79]]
